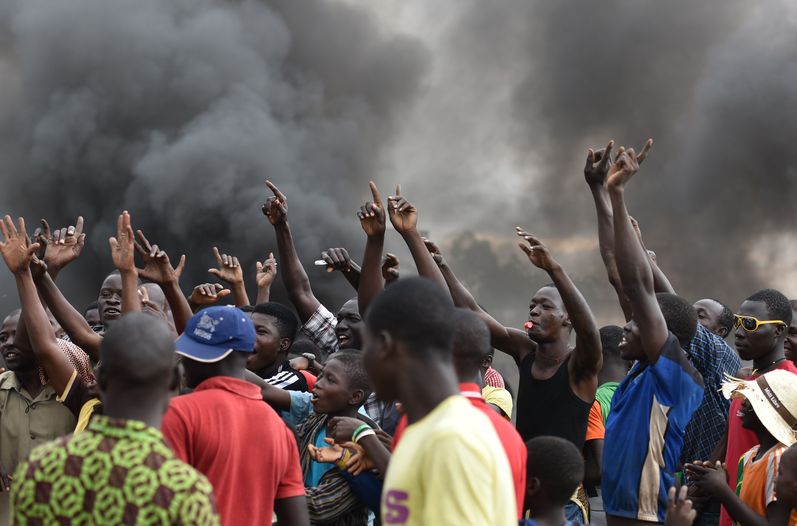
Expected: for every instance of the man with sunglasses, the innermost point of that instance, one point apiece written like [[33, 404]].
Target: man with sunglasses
[[761, 326]]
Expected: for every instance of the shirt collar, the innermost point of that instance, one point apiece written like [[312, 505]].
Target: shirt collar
[[470, 390], [119, 428], [11, 382], [233, 385]]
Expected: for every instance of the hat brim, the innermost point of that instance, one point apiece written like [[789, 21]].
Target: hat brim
[[201, 352], [767, 414]]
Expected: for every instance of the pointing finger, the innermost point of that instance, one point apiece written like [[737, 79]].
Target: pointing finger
[[375, 193], [645, 150]]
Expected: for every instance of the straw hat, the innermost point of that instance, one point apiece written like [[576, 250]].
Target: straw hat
[[774, 399]]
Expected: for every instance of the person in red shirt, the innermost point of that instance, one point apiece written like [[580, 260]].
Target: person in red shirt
[[471, 345], [224, 429], [761, 325]]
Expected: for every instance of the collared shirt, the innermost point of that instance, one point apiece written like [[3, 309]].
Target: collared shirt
[[226, 431], [712, 358], [115, 472], [27, 422], [320, 328], [384, 414]]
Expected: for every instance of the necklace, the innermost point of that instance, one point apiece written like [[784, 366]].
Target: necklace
[[768, 367]]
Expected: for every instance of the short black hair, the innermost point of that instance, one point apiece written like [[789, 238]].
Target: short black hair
[[352, 361], [417, 312], [611, 336], [471, 342], [91, 306], [680, 316], [137, 351], [287, 323], [778, 306], [727, 319], [557, 464]]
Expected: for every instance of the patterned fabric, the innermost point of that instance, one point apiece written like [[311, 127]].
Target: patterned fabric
[[77, 358], [756, 480], [712, 358], [493, 378], [115, 472], [320, 328]]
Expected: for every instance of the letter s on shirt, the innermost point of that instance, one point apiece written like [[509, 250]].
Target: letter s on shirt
[[396, 511]]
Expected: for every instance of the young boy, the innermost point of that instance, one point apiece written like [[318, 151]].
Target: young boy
[[768, 409], [554, 470], [340, 390], [275, 329]]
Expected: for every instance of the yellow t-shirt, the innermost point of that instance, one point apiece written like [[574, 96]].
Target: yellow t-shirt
[[449, 468]]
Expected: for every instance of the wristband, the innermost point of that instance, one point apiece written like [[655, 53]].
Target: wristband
[[345, 455], [359, 430], [368, 432]]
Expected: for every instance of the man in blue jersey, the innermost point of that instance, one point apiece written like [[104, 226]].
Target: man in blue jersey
[[653, 405]]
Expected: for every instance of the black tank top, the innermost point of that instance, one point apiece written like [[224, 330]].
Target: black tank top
[[550, 407]]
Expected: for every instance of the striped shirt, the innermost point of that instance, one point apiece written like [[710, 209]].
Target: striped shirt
[[756, 479]]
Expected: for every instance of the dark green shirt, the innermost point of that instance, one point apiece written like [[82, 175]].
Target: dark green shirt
[[114, 472]]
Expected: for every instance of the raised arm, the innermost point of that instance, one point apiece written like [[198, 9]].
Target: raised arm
[[596, 172], [123, 255], [72, 321], [587, 354], [230, 272], [633, 264], [404, 217], [514, 342], [264, 277], [373, 222], [660, 281], [158, 269], [293, 275], [63, 245], [17, 253]]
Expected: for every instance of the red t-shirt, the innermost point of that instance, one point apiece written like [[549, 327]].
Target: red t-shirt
[[226, 431], [513, 445], [740, 440]]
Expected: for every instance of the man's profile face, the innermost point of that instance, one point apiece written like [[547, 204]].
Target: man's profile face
[[267, 342], [109, 303], [790, 345], [547, 315], [756, 344], [708, 315], [383, 379]]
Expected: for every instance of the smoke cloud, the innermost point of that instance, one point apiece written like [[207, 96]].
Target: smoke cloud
[[178, 110]]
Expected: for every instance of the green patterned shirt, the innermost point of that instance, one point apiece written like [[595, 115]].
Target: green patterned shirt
[[115, 472]]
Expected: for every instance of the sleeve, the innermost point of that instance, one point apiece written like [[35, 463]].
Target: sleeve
[[291, 482], [676, 381], [320, 328], [332, 498], [176, 433], [595, 427], [453, 495], [368, 488], [301, 408]]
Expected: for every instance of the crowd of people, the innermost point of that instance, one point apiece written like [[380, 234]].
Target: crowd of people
[[150, 407]]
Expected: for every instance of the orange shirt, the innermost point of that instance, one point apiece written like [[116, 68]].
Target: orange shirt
[[595, 428], [758, 480]]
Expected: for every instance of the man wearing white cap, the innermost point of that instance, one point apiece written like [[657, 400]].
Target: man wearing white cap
[[768, 410]]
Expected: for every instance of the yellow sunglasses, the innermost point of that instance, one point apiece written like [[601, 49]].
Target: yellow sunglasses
[[751, 324]]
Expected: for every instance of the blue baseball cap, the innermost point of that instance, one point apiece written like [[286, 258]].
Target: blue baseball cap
[[213, 333]]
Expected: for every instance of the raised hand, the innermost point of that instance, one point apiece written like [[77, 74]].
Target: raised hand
[[434, 250], [17, 249], [123, 245], [679, 508], [266, 271], [337, 259], [276, 207], [372, 214], [598, 162], [157, 266], [390, 268], [207, 294], [229, 270], [537, 253], [64, 245], [626, 165], [403, 215]]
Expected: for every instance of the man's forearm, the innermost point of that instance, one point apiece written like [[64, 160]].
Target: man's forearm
[[424, 262], [240, 295], [371, 281], [294, 276], [181, 309], [587, 335], [73, 323], [131, 301], [738, 510]]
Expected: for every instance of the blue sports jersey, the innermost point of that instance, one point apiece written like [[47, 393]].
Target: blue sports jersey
[[645, 434]]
